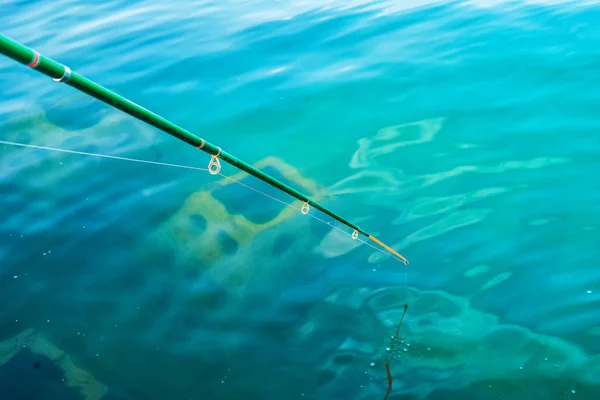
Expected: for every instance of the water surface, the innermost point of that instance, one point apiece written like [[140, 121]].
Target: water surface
[[464, 134]]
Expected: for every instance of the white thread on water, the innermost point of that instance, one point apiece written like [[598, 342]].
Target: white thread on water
[[310, 215], [83, 153], [102, 155]]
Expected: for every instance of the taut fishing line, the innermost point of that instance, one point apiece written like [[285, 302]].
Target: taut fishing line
[[31, 146]]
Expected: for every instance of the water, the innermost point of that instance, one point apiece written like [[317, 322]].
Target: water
[[464, 134]]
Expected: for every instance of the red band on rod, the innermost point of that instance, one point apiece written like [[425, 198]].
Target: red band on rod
[[36, 60]]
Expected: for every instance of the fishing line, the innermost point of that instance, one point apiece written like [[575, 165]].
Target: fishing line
[[312, 216], [101, 155], [32, 146]]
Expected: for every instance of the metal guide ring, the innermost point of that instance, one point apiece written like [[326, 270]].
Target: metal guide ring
[[214, 166], [305, 208], [355, 234]]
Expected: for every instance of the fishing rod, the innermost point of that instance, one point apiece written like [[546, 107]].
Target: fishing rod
[[63, 74]]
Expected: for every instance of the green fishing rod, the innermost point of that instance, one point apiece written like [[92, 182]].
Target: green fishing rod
[[61, 73]]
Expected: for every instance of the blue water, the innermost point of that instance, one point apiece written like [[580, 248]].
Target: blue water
[[463, 134]]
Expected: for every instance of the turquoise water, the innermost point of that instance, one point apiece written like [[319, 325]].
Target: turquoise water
[[464, 134]]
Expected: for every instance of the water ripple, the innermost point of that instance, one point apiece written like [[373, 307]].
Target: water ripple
[[463, 133]]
